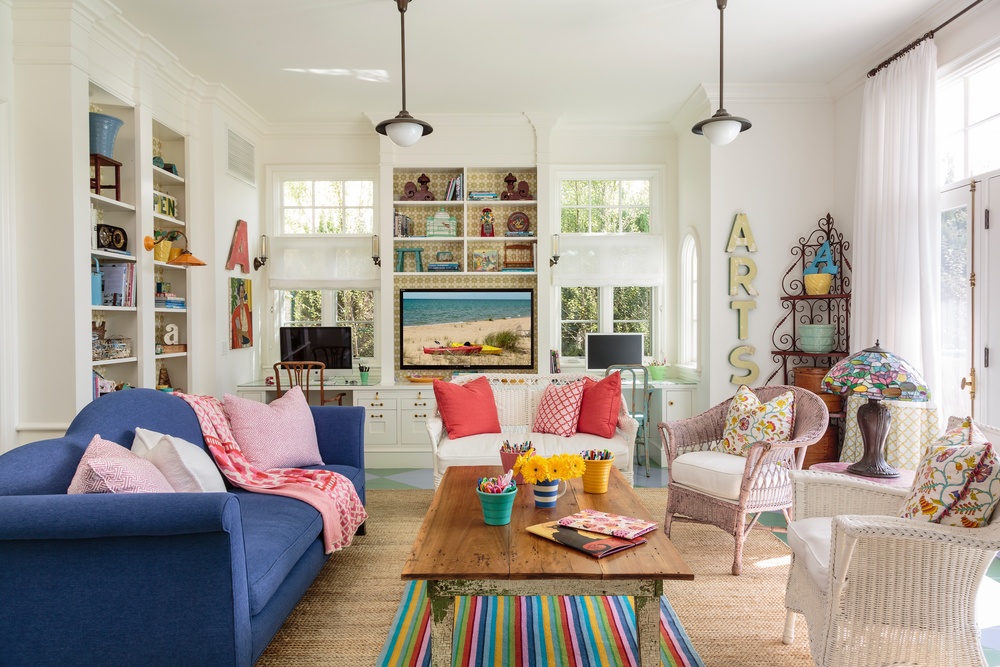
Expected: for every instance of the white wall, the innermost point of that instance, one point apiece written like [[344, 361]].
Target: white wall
[[780, 174], [8, 239]]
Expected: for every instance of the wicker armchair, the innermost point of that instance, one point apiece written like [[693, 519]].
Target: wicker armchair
[[731, 491], [876, 589]]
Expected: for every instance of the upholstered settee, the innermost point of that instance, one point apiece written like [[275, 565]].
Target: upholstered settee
[[517, 400], [153, 578]]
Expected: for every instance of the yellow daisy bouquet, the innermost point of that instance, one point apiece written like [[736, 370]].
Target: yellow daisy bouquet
[[535, 469]]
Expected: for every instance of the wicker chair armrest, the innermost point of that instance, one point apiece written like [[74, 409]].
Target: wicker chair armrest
[[694, 432], [832, 494], [893, 527]]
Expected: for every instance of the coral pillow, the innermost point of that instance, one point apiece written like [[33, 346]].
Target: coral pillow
[[600, 406], [559, 410], [958, 481], [187, 467], [280, 434], [467, 409], [107, 467], [749, 421]]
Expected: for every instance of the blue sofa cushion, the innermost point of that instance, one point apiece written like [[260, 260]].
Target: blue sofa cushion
[[277, 531]]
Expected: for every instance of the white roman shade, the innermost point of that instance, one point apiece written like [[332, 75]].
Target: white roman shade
[[322, 262], [609, 260]]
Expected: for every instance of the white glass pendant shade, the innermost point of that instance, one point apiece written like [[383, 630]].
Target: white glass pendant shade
[[721, 132], [404, 134]]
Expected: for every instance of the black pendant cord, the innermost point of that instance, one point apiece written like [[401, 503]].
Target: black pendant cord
[[722, 49], [917, 42], [402, 45]]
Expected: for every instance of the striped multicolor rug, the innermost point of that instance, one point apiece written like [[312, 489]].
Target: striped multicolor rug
[[538, 631]]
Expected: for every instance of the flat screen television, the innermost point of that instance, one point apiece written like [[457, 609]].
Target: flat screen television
[[331, 345], [607, 349], [475, 329]]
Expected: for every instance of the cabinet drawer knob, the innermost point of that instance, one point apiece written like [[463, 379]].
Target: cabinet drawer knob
[[423, 416], [376, 395], [375, 416], [420, 405], [670, 402], [419, 395]]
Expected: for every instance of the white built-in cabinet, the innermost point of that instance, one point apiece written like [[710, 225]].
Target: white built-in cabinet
[[134, 329]]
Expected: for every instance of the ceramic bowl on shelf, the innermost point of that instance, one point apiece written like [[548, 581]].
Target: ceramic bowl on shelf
[[817, 338]]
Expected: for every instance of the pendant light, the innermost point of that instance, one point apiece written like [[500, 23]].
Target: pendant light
[[404, 130], [722, 127]]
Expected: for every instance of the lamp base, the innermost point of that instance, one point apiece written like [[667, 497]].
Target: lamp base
[[873, 422]]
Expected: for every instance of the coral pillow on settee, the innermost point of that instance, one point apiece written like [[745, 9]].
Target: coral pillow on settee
[[600, 406], [467, 409]]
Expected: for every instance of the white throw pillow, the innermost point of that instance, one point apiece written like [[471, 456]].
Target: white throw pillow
[[187, 467]]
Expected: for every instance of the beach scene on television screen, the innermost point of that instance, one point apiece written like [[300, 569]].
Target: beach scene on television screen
[[466, 328]]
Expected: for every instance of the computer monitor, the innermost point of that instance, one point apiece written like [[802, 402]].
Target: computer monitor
[[331, 345], [607, 349]]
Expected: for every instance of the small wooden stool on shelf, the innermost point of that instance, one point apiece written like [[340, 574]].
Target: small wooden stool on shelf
[[401, 258], [519, 256], [97, 161]]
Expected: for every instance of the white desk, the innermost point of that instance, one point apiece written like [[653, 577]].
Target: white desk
[[671, 400]]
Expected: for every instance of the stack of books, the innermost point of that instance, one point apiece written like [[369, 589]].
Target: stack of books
[[519, 233], [119, 284], [483, 196], [454, 192], [169, 300], [595, 533], [442, 266], [402, 225]]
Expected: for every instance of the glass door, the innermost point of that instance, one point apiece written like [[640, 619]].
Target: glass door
[[956, 301]]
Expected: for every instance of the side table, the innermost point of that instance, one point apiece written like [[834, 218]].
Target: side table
[[904, 481], [97, 162]]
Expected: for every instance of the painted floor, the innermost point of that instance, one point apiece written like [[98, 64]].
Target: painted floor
[[988, 606]]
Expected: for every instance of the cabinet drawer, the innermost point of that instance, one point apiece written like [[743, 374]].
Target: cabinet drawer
[[380, 426], [418, 404], [678, 404], [379, 404], [413, 426]]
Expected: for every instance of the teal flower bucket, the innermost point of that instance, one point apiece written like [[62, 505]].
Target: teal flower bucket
[[497, 507], [103, 132]]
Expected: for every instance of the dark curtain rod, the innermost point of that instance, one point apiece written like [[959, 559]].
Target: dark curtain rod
[[917, 42]]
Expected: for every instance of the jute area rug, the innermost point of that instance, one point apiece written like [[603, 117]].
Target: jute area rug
[[732, 621]]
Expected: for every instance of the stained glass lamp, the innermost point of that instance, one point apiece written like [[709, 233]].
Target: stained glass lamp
[[876, 374]]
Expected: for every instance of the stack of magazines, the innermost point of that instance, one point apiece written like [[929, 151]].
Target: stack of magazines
[[595, 533]]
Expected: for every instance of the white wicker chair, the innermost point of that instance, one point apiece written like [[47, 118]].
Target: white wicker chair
[[893, 591]]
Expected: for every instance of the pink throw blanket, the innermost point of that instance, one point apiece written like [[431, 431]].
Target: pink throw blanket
[[330, 493]]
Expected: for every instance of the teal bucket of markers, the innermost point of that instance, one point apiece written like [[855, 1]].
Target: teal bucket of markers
[[497, 507]]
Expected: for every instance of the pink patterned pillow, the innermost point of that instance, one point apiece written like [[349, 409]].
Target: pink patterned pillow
[[107, 467], [559, 410], [280, 434]]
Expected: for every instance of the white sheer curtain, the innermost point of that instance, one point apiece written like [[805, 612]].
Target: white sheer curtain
[[896, 226]]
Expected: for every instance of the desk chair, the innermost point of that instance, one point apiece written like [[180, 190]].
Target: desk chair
[[641, 396], [300, 373]]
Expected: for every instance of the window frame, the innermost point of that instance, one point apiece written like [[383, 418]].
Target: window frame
[[655, 175], [689, 326], [276, 176]]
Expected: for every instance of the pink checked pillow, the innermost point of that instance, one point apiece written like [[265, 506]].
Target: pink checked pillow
[[279, 434], [107, 467], [559, 410]]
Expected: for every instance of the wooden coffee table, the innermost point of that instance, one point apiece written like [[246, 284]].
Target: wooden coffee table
[[458, 554]]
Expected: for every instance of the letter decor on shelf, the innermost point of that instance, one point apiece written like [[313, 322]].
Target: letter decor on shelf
[[239, 251], [825, 257]]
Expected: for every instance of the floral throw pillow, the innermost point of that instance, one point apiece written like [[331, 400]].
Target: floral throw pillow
[[958, 481], [749, 421]]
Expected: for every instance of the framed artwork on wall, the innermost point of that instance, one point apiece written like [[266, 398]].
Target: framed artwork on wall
[[241, 318]]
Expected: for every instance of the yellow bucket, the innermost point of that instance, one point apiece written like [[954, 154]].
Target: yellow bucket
[[596, 474], [817, 283]]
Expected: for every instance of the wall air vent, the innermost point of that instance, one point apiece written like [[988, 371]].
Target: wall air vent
[[242, 160]]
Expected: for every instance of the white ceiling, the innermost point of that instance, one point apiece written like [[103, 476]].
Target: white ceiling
[[590, 60]]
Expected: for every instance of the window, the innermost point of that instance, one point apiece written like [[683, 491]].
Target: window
[[353, 308], [968, 112], [688, 330], [611, 264], [327, 207], [320, 269]]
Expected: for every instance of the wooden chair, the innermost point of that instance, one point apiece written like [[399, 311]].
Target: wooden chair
[[300, 373], [729, 491]]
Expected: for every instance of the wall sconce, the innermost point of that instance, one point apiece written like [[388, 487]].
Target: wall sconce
[[183, 258], [555, 250], [375, 254], [262, 260]]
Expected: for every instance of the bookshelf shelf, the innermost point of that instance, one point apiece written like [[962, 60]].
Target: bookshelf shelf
[[171, 179], [170, 310], [172, 355], [114, 362], [172, 267], [112, 256], [167, 220], [118, 309], [108, 204]]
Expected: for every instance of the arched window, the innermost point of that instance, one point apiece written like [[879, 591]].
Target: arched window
[[688, 333]]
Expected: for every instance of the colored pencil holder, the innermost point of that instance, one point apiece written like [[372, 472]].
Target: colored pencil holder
[[596, 475], [657, 373], [507, 460], [546, 493], [497, 507]]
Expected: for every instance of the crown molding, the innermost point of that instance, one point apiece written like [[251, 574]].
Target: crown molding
[[624, 130], [693, 109], [768, 93]]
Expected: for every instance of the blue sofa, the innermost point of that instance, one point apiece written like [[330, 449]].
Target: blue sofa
[[153, 579]]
